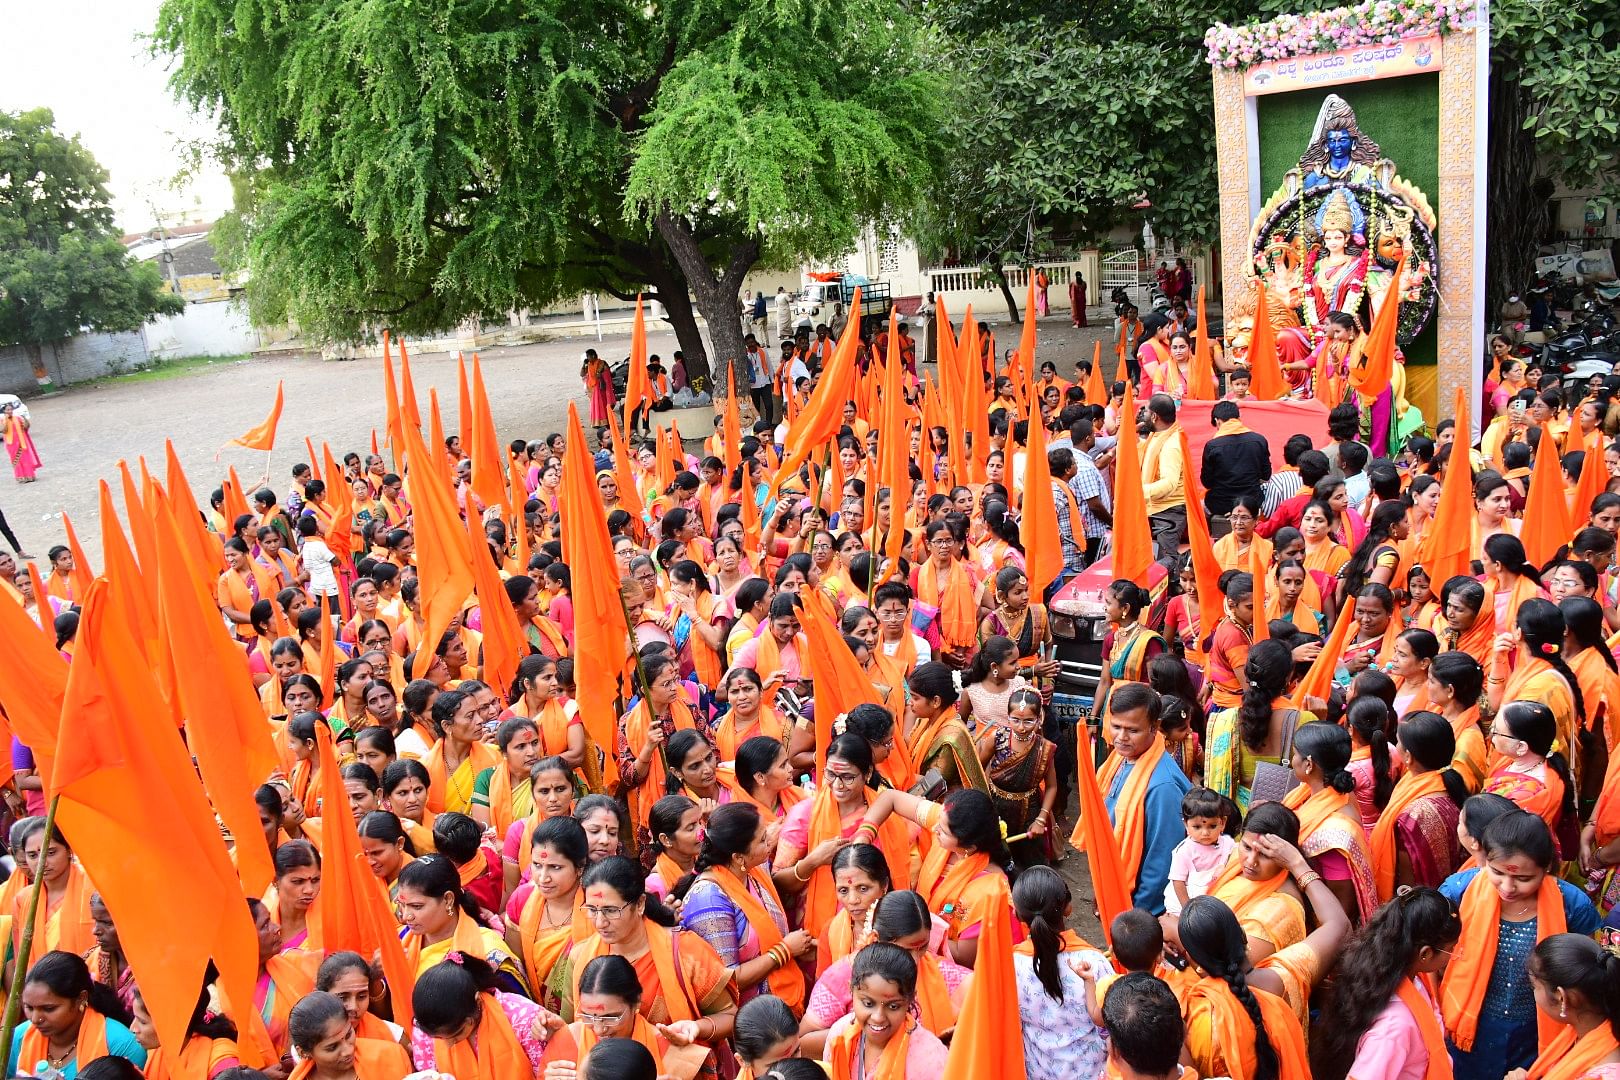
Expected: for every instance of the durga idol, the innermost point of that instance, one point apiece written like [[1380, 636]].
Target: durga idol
[[1336, 267]]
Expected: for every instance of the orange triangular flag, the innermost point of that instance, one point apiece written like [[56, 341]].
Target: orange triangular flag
[[1370, 377], [977, 398], [31, 694], [1257, 570], [629, 497], [1022, 367], [1318, 681], [443, 574], [410, 412], [352, 912], [395, 424], [1594, 480], [263, 435], [1096, 385], [1266, 380], [1546, 509], [82, 575], [225, 726], [488, 477], [1206, 567], [328, 672], [601, 634], [731, 424], [1043, 547], [823, 414], [504, 646], [118, 562], [987, 1042], [202, 544], [894, 448], [1447, 548], [464, 411], [42, 603], [441, 452], [120, 752], [954, 393], [1133, 536], [1094, 835], [236, 503], [1201, 379], [837, 672], [637, 386]]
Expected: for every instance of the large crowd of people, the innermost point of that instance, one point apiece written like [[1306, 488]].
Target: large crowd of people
[[745, 759]]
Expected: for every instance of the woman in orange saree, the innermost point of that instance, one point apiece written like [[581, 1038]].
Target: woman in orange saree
[[643, 731], [63, 920], [1528, 771], [459, 756], [1453, 689], [545, 919], [609, 1007], [330, 1048], [209, 1048]]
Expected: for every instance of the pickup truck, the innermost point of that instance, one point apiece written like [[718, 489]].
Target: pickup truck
[[828, 302]]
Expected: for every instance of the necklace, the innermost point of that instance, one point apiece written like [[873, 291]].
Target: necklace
[[57, 1061]]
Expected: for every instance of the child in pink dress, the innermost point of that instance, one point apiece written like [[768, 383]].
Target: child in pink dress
[[1198, 859]]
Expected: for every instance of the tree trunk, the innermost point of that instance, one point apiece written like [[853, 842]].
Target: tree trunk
[[677, 301], [717, 295], [1007, 295], [1517, 218]]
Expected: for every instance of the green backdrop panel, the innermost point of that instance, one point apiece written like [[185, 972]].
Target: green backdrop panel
[[1401, 115]]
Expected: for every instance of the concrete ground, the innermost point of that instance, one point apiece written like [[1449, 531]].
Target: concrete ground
[[82, 433]]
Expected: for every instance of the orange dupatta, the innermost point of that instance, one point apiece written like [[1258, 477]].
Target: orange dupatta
[[1314, 810], [585, 1038], [480, 757], [1232, 1033], [726, 739], [958, 623], [1130, 809], [672, 989], [1408, 789], [1569, 1058], [820, 903], [465, 939], [68, 928], [1463, 991], [637, 727], [199, 1059], [92, 1043], [553, 722], [786, 982], [543, 948], [500, 799], [374, 1059], [499, 1054], [1421, 1006], [891, 1066]]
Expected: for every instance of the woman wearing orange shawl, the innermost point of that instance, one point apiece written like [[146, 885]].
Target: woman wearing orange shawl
[[1511, 580], [944, 582], [816, 829], [1409, 661], [330, 1047], [763, 777], [1453, 689], [284, 978], [1382, 1019], [1239, 1018], [210, 1047], [68, 1025], [439, 917], [63, 920], [468, 1027], [504, 792], [1373, 642], [748, 715], [459, 756], [642, 734], [1257, 886], [1581, 979], [734, 906], [938, 739], [1527, 770], [608, 1008], [549, 917], [687, 989], [961, 876], [878, 1041], [1415, 839], [1330, 829], [539, 697], [1507, 906], [696, 621]]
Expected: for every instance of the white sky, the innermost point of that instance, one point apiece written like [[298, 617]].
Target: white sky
[[82, 60]]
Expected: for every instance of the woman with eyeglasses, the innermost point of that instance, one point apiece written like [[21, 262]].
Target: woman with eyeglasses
[[608, 1008], [687, 990], [817, 829]]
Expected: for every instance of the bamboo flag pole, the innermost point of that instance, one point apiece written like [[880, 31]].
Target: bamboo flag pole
[[14, 998]]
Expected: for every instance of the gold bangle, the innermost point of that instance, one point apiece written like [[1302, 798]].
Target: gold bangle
[[798, 875], [1306, 881]]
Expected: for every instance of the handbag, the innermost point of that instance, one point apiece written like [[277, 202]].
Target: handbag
[[1273, 781]]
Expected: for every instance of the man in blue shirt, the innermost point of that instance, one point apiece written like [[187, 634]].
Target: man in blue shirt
[[1133, 729]]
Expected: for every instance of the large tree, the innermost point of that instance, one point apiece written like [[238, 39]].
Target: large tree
[[416, 165], [63, 269]]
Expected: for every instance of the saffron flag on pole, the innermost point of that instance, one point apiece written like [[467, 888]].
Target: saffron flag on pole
[[1546, 525], [1370, 377], [443, 564], [601, 635], [1447, 548], [1094, 835], [988, 1042], [504, 647], [637, 387], [823, 414], [411, 412], [1043, 547], [1594, 478], [1201, 381], [1266, 380], [1318, 680], [488, 477], [1206, 567], [31, 693], [837, 673], [263, 435], [1133, 536], [119, 752]]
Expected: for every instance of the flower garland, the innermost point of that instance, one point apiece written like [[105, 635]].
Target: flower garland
[[1373, 22]]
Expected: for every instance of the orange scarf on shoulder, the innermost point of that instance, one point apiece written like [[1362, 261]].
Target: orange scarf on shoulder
[[671, 989], [480, 757], [1130, 809], [467, 938], [375, 1058], [1314, 810], [958, 622], [1408, 789], [843, 1049], [499, 1054], [1421, 1006], [1463, 990], [1569, 1058], [500, 799], [820, 899], [727, 739], [925, 734], [637, 727], [1233, 1033], [199, 1059], [787, 981], [552, 720], [944, 888], [1240, 893], [92, 1043], [585, 1039], [768, 660], [543, 948]]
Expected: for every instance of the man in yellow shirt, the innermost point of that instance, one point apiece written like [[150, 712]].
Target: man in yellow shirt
[[1163, 479]]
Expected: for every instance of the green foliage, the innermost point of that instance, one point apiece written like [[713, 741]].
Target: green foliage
[[421, 164], [63, 269]]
